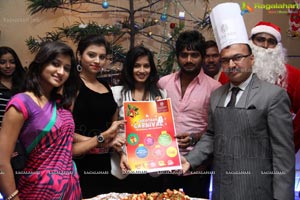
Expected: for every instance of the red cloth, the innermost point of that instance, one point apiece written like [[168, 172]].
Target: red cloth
[[293, 90], [223, 79]]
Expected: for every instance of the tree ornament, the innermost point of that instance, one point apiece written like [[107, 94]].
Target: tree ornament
[[105, 4], [163, 17], [172, 25]]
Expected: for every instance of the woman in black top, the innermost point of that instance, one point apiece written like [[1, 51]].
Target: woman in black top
[[94, 111], [11, 76]]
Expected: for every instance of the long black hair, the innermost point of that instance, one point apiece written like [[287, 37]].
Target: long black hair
[[47, 53], [127, 79], [19, 73]]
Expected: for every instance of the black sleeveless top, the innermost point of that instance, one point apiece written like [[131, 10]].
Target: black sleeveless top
[[92, 115], [93, 111]]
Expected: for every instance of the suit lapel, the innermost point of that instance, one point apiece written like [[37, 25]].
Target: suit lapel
[[221, 96], [250, 91]]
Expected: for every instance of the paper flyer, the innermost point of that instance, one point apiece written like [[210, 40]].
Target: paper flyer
[[150, 136]]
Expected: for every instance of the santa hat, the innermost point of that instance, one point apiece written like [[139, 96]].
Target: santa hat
[[267, 27], [228, 25]]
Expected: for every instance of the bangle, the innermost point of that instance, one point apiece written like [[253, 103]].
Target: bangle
[[13, 195]]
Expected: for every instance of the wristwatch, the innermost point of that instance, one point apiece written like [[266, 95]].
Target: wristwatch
[[100, 138], [193, 140]]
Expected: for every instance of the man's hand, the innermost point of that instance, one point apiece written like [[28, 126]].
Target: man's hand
[[183, 140], [185, 164]]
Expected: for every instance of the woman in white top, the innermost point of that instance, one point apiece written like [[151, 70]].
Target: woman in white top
[[138, 79], [138, 83]]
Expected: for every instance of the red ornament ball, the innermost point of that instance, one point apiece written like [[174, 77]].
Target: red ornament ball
[[172, 25]]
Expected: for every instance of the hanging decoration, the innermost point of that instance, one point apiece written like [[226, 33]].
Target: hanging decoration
[[164, 50], [105, 4], [163, 17], [172, 25]]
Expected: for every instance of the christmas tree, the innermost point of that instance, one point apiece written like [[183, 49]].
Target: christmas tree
[[139, 16]]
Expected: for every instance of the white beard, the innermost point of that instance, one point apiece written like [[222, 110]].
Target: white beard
[[269, 64]]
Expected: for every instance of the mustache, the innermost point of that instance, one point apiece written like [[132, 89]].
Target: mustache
[[211, 64], [233, 69], [236, 69], [189, 64]]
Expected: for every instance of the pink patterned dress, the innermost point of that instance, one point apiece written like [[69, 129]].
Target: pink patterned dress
[[50, 172]]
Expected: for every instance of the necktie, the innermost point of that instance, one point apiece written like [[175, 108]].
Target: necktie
[[234, 92]]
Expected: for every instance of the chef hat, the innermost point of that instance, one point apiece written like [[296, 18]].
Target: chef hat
[[228, 25], [267, 27]]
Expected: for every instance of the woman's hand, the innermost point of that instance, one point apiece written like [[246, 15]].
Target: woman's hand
[[124, 164], [85, 144], [118, 143], [111, 133]]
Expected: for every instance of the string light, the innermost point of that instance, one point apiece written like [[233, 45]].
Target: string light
[[181, 17]]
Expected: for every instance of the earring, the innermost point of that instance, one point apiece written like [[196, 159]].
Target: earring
[[79, 68]]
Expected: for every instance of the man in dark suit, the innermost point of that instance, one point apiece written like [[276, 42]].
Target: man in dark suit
[[250, 133], [252, 143]]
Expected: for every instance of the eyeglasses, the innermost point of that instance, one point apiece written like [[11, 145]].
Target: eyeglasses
[[236, 59], [270, 41], [186, 55]]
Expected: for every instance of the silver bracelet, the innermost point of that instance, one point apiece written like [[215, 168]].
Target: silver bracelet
[[13, 195]]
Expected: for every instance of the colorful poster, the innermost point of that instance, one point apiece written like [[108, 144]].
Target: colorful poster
[[150, 134]]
